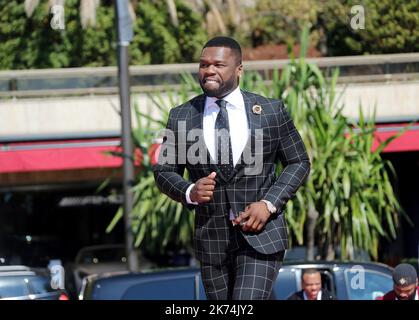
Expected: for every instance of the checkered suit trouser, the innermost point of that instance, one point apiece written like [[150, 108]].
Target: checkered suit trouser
[[245, 275], [281, 143]]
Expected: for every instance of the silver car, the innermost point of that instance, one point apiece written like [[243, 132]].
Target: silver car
[[25, 283]]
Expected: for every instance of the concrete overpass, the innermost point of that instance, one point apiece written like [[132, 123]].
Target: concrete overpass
[[83, 102]]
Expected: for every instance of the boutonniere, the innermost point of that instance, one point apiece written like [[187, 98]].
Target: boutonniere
[[257, 109]]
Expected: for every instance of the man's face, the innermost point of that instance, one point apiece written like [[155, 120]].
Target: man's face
[[405, 292], [312, 284], [219, 71]]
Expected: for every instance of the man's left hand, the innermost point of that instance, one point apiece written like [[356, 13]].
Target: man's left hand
[[254, 217]]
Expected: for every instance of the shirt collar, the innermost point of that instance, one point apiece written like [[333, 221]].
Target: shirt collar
[[234, 99]]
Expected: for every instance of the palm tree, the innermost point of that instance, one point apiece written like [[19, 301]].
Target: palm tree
[[88, 9], [218, 15]]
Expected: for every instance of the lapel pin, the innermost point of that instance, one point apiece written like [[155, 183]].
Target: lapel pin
[[257, 109]]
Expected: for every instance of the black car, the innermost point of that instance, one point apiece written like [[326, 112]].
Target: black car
[[347, 281], [24, 283]]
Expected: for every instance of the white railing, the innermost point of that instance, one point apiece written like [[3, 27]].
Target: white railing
[[103, 80]]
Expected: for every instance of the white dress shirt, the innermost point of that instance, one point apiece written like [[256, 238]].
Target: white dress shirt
[[238, 124]]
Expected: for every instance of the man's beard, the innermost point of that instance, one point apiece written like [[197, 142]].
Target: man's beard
[[222, 90], [411, 297]]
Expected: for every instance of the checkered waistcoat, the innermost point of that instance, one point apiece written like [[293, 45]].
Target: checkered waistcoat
[[281, 142]]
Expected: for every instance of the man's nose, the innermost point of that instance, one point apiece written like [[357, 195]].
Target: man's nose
[[210, 70]]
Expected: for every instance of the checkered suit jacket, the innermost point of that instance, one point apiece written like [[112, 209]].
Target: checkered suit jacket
[[281, 142]]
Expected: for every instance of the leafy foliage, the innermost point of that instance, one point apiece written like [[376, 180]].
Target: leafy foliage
[[28, 43], [349, 186], [159, 223], [391, 26]]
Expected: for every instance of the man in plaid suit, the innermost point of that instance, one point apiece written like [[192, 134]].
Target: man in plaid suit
[[230, 141]]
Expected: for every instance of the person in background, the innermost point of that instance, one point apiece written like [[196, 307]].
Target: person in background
[[311, 282], [405, 284]]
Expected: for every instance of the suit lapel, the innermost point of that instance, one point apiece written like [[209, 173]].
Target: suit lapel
[[254, 122], [197, 112]]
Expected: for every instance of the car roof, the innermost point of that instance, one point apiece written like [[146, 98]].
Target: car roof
[[14, 268], [333, 264], [20, 270], [285, 267], [127, 274]]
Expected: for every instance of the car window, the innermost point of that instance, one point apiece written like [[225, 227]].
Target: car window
[[40, 284], [13, 286], [367, 285], [167, 289], [285, 285], [327, 281]]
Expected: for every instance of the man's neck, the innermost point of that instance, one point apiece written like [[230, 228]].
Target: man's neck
[[228, 93]]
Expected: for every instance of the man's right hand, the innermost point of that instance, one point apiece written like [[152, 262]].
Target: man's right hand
[[203, 189]]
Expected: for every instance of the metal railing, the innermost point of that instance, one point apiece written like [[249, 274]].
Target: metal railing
[[103, 80]]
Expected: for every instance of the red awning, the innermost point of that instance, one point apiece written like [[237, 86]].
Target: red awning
[[85, 154], [408, 141], [59, 155]]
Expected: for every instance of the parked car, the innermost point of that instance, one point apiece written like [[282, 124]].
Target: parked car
[[347, 281], [99, 259], [24, 283]]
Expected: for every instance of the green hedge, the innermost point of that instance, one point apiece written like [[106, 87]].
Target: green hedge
[[391, 26], [28, 43]]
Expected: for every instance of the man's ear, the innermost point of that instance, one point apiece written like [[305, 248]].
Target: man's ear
[[240, 70]]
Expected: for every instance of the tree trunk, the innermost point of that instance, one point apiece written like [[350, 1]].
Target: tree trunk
[[30, 6], [172, 12], [312, 217], [217, 16], [330, 252]]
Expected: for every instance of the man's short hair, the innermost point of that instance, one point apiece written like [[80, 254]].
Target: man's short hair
[[308, 271], [226, 42], [404, 275]]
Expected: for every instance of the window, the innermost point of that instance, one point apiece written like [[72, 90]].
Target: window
[[13, 286], [367, 284], [162, 289], [40, 284], [285, 285]]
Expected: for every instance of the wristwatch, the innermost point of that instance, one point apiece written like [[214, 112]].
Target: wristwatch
[[270, 206]]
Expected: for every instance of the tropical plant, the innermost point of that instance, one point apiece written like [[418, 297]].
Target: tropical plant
[[348, 202], [159, 223]]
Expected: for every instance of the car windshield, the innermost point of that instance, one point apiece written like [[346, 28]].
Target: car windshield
[[40, 285], [14, 286], [367, 285]]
